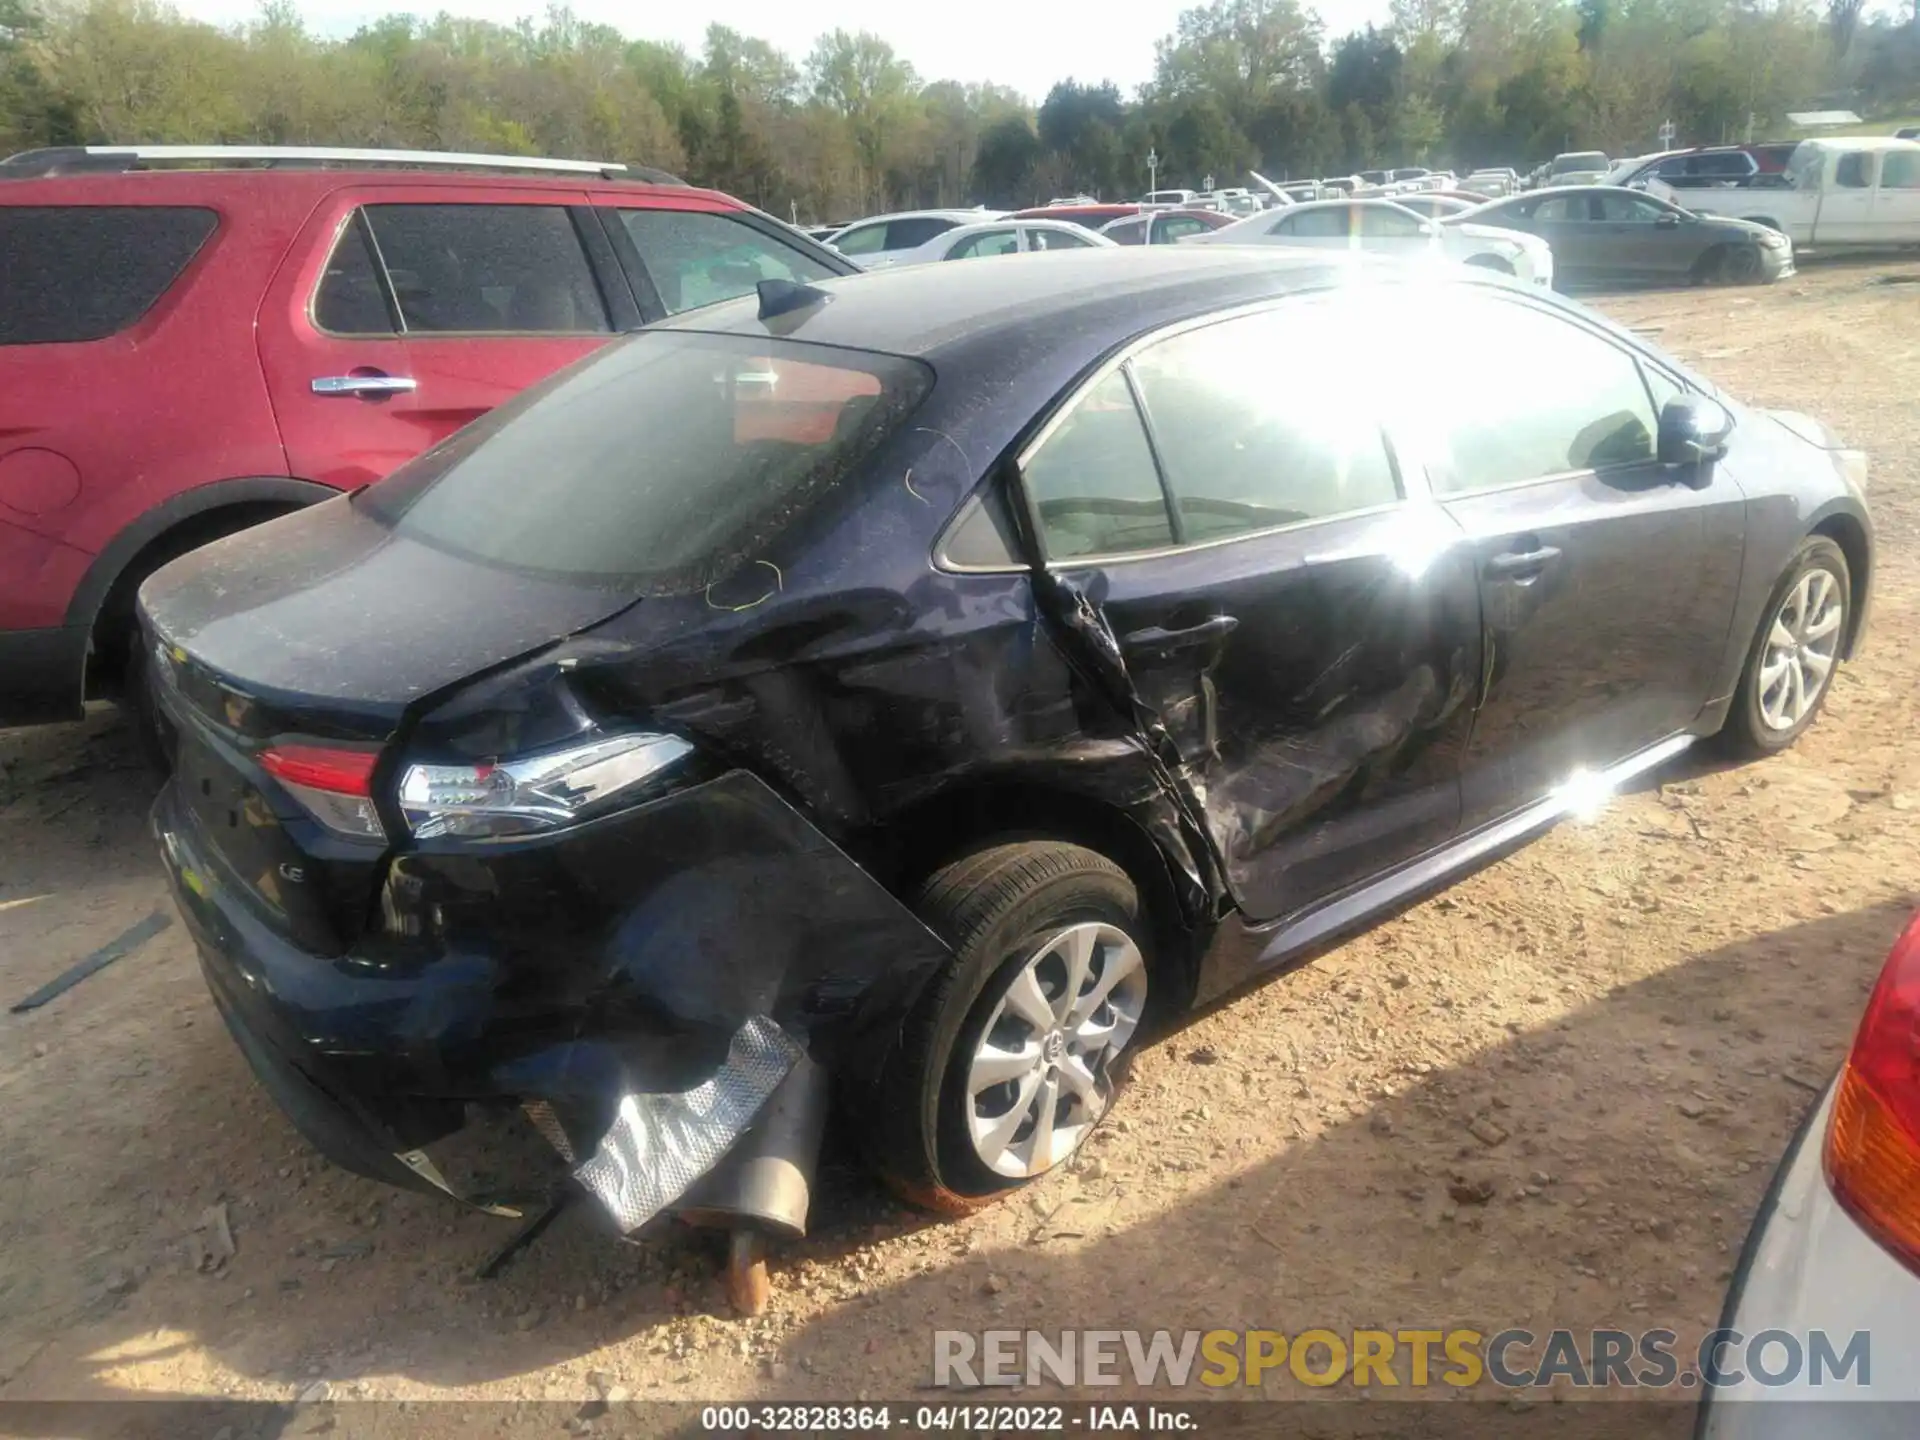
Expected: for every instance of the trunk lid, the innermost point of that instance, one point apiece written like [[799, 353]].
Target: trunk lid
[[321, 629]]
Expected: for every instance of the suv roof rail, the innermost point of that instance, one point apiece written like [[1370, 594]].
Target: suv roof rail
[[113, 159]]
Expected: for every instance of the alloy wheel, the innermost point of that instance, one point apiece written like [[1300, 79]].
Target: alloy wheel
[[1803, 643], [1740, 264], [1040, 1077]]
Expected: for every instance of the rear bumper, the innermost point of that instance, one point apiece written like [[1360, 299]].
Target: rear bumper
[[280, 1005], [1809, 1270], [580, 971], [40, 674]]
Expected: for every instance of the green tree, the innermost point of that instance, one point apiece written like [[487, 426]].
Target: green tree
[[1239, 53], [858, 78], [1003, 168]]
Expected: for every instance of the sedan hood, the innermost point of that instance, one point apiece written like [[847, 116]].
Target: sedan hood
[[1751, 228], [1492, 232], [329, 612]]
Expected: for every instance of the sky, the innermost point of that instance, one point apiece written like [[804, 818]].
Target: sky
[[1026, 44]]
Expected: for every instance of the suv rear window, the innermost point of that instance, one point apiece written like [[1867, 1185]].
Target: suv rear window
[[84, 272], [664, 461]]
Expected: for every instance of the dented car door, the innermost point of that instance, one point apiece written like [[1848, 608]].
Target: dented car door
[[1297, 622]]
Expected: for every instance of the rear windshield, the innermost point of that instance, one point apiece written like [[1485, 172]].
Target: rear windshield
[[84, 272], [1584, 160], [659, 464]]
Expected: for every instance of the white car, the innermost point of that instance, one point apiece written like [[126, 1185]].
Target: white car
[[996, 237], [1579, 167], [1391, 228], [878, 236], [1233, 201], [1833, 1260]]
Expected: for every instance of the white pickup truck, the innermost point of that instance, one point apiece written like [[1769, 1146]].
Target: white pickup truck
[[1861, 192]]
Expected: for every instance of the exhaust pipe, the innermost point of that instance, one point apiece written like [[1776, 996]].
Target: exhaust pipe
[[764, 1186], [765, 1182]]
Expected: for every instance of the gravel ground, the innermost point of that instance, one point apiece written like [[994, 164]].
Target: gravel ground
[[1551, 1096]]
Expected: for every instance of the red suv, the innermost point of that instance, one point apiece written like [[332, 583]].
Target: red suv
[[187, 351]]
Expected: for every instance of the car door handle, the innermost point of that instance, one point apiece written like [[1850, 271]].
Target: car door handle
[[364, 385], [1522, 562], [1155, 640]]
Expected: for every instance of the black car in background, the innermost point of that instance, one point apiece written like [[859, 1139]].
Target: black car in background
[[1609, 235], [944, 673]]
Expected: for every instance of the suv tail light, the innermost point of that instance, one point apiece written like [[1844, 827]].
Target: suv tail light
[[334, 785], [540, 792], [1873, 1141]]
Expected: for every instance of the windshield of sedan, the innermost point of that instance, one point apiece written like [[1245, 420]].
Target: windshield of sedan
[[659, 464]]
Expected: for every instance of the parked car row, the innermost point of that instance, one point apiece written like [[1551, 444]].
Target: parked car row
[[903, 690]]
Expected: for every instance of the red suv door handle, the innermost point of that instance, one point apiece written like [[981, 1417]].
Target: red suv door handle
[[365, 386]]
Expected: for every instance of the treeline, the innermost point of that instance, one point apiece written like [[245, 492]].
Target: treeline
[[849, 128]]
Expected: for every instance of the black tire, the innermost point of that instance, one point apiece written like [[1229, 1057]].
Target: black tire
[[994, 907], [1706, 270], [1747, 732], [1739, 265], [153, 733]]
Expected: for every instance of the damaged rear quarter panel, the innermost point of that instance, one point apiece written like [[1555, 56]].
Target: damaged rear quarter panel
[[623, 955], [846, 687]]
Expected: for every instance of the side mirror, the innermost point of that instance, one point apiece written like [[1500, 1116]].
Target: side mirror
[[1693, 434], [1668, 220]]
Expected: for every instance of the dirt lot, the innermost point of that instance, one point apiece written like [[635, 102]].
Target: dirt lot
[[1642, 1007]]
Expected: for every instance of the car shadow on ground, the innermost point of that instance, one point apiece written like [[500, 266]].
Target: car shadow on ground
[[1393, 1209]]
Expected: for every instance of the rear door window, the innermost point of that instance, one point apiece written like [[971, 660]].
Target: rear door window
[[487, 269], [698, 257], [1055, 240], [916, 230], [1388, 222], [987, 242], [1093, 484], [73, 273], [1900, 170], [1266, 421], [863, 240], [1309, 224], [352, 298]]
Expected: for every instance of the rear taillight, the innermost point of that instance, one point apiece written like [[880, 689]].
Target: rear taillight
[[1873, 1139], [333, 784], [539, 792]]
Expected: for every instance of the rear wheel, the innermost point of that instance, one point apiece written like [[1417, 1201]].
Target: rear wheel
[[1790, 667], [1014, 1054], [119, 657]]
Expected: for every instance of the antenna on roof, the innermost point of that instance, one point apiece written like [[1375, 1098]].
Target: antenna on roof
[[782, 297]]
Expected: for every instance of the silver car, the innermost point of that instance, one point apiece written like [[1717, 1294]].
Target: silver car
[[1832, 1266]]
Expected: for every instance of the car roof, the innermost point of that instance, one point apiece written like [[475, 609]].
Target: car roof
[[233, 184], [1861, 142], [1090, 299], [962, 216], [1110, 209]]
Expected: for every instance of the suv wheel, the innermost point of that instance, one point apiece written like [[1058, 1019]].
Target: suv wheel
[[1014, 1053]]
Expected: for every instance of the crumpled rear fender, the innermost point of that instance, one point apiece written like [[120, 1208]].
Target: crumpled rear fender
[[624, 955]]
